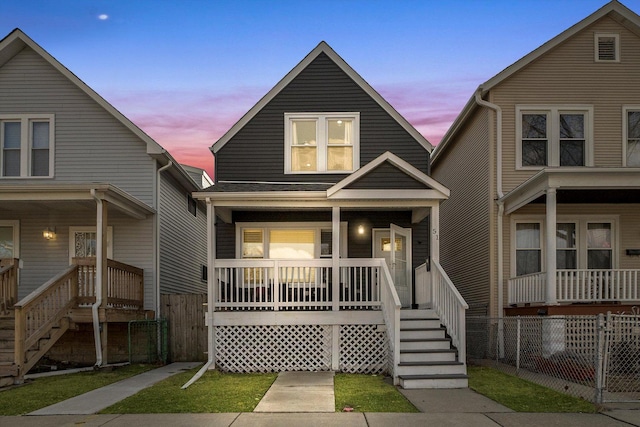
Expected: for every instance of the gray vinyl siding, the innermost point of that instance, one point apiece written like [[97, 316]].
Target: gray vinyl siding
[[183, 246], [387, 176], [90, 144], [568, 75], [256, 152], [465, 216]]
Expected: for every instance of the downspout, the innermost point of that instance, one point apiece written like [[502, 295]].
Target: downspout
[[158, 185], [500, 219], [98, 292]]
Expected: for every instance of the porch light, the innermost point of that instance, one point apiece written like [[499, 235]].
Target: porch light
[[361, 230], [49, 233]]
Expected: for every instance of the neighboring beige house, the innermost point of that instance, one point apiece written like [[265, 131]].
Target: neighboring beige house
[[543, 165]]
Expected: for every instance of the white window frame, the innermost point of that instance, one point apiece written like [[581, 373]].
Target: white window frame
[[88, 229], [596, 47], [581, 222], [321, 140], [267, 226], [625, 130], [16, 235], [553, 132], [26, 139]]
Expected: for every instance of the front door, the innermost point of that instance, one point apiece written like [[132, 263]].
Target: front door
[[398, 258]]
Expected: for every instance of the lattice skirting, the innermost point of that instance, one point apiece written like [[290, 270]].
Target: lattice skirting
[[362, 349]]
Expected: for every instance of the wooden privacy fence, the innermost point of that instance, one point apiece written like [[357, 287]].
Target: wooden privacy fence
[[187, 331]]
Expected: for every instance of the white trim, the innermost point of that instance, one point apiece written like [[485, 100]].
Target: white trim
[[26, 143], [322, 142], [553, 113], [318, 226], [596, 47], [89, 229], [16, 235], [625, 131], [322, 47]]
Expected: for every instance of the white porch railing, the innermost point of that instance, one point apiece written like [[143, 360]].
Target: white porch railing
[[264, 284], [391, 306], [578, 286], [450, 307]]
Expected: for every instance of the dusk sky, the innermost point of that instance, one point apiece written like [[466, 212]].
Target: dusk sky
[[186, 71]]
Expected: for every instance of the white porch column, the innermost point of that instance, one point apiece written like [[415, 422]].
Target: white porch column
[[335, 258], [211, 280], [550, 294], [101, 269], [434, 244]]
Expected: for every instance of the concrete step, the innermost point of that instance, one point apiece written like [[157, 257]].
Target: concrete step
[[449, 355], [424, 333], [416, 314], [425, 344], [434, 381], [419, 322], [431, 368]]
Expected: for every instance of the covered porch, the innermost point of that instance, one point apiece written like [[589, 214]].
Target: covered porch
[[574, 241]]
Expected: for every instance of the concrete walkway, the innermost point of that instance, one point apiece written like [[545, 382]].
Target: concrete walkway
[[299, 392], [98, 399]]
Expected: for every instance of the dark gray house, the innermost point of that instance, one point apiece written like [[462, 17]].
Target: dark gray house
[[323, 225]]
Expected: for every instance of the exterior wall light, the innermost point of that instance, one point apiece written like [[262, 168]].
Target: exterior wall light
[[49, 233]]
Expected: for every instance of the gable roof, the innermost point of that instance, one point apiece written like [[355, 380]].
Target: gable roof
[[17, 40], [614, 9], [322, 47]]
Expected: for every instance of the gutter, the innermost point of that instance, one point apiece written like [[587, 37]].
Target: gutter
[[98, 286], [500, 219]]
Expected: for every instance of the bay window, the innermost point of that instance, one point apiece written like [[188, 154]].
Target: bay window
[[26, 145]]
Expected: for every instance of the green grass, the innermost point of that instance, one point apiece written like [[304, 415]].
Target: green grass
[[369, 393], [522, 395], [41, 392], [213, 392]]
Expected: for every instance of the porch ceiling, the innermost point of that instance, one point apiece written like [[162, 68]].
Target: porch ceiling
[[577, 186], [69, 198]]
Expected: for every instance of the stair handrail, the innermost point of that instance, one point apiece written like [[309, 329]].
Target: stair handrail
[[42, 309], [391, 306], [450, 306], [8, 285]]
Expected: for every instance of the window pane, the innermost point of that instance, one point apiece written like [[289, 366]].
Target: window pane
[[572, 153], [527, 262], [599, 259], [326, 244], [304, 132], [252, 246], [565, 235], [599, 235], [534, 153], [11, 163], [633, 138], [6, 242], [40, 163], [571, 126], [12, 135], [40, 135], [339, 158], [528, 236], [566, 259], [534, 126], [340, 131], [291, 244], [304, 158]]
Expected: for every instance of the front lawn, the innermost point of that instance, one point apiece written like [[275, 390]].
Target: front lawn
[[368, 393]]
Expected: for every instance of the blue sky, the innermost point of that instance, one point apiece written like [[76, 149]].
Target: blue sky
[[185, 71]]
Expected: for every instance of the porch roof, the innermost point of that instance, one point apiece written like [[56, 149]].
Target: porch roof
[[80, 193], [572, 179]]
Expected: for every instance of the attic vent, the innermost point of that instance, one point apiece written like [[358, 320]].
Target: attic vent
[[607, 48]]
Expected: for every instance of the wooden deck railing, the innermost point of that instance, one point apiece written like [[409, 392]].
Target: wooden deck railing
[[125, 284], [8, 285], [584, 286]]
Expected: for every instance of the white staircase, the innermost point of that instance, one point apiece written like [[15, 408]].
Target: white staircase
[[427, 359]]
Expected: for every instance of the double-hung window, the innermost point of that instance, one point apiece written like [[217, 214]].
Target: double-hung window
[[321, 142], [26, 145], [631, 130], [554, 136], [528, 248]]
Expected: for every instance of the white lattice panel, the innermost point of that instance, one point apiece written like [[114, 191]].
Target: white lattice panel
[[273, 348], [363, 349]]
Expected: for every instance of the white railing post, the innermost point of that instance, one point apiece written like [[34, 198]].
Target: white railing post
[[335, 258]]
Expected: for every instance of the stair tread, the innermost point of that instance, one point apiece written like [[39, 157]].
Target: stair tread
[[443, 363], [424, 339], [443, 350], [433, 376], [411, 319], [439, 328]]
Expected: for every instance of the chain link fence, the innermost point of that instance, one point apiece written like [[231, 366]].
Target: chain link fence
[[147, 341], [596, 358]]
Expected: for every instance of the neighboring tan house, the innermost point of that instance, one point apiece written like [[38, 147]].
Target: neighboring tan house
[[543, 165], [322, 216], [89, 206]]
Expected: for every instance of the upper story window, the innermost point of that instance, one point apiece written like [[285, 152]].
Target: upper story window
[[631, 131], [607, 47], [554, 136], [26, 145], [322, 142]]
